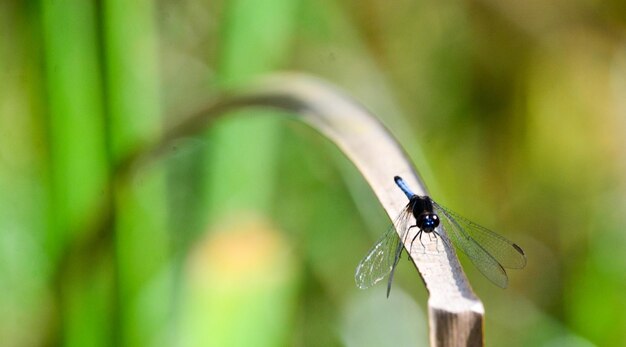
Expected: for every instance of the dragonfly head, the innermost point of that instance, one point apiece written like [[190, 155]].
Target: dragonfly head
[[427, 221]]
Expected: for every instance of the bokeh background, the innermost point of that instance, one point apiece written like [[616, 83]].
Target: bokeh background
[[248, 234]]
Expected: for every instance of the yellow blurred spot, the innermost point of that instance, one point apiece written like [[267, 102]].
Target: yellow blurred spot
[[240, 251]]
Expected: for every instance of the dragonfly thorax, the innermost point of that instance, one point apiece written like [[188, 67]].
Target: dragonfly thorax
[[422, 209]]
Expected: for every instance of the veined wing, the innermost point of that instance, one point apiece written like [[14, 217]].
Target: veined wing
[[381, 259], [507, 253], [489, 251]]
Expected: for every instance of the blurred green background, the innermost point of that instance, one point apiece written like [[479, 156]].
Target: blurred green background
[[249, 233]]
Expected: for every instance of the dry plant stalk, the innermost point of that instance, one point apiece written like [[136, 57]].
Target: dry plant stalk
[[455, 313]]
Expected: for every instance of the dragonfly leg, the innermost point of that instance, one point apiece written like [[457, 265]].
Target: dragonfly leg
[[437, 235], [406, 236], [423, 246], [419, 233]]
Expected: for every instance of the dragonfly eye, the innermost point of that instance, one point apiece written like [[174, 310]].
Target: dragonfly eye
[[428, 221]]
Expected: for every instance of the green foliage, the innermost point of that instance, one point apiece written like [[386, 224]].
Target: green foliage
[[248, 234]]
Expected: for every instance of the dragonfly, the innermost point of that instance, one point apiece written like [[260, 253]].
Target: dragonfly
[[488, 251]]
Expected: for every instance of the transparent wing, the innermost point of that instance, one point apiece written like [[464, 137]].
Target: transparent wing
[[383, 256], [507, 253], [488, 251]]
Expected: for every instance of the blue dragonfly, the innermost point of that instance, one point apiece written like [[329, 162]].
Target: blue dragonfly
[[488, 251]]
